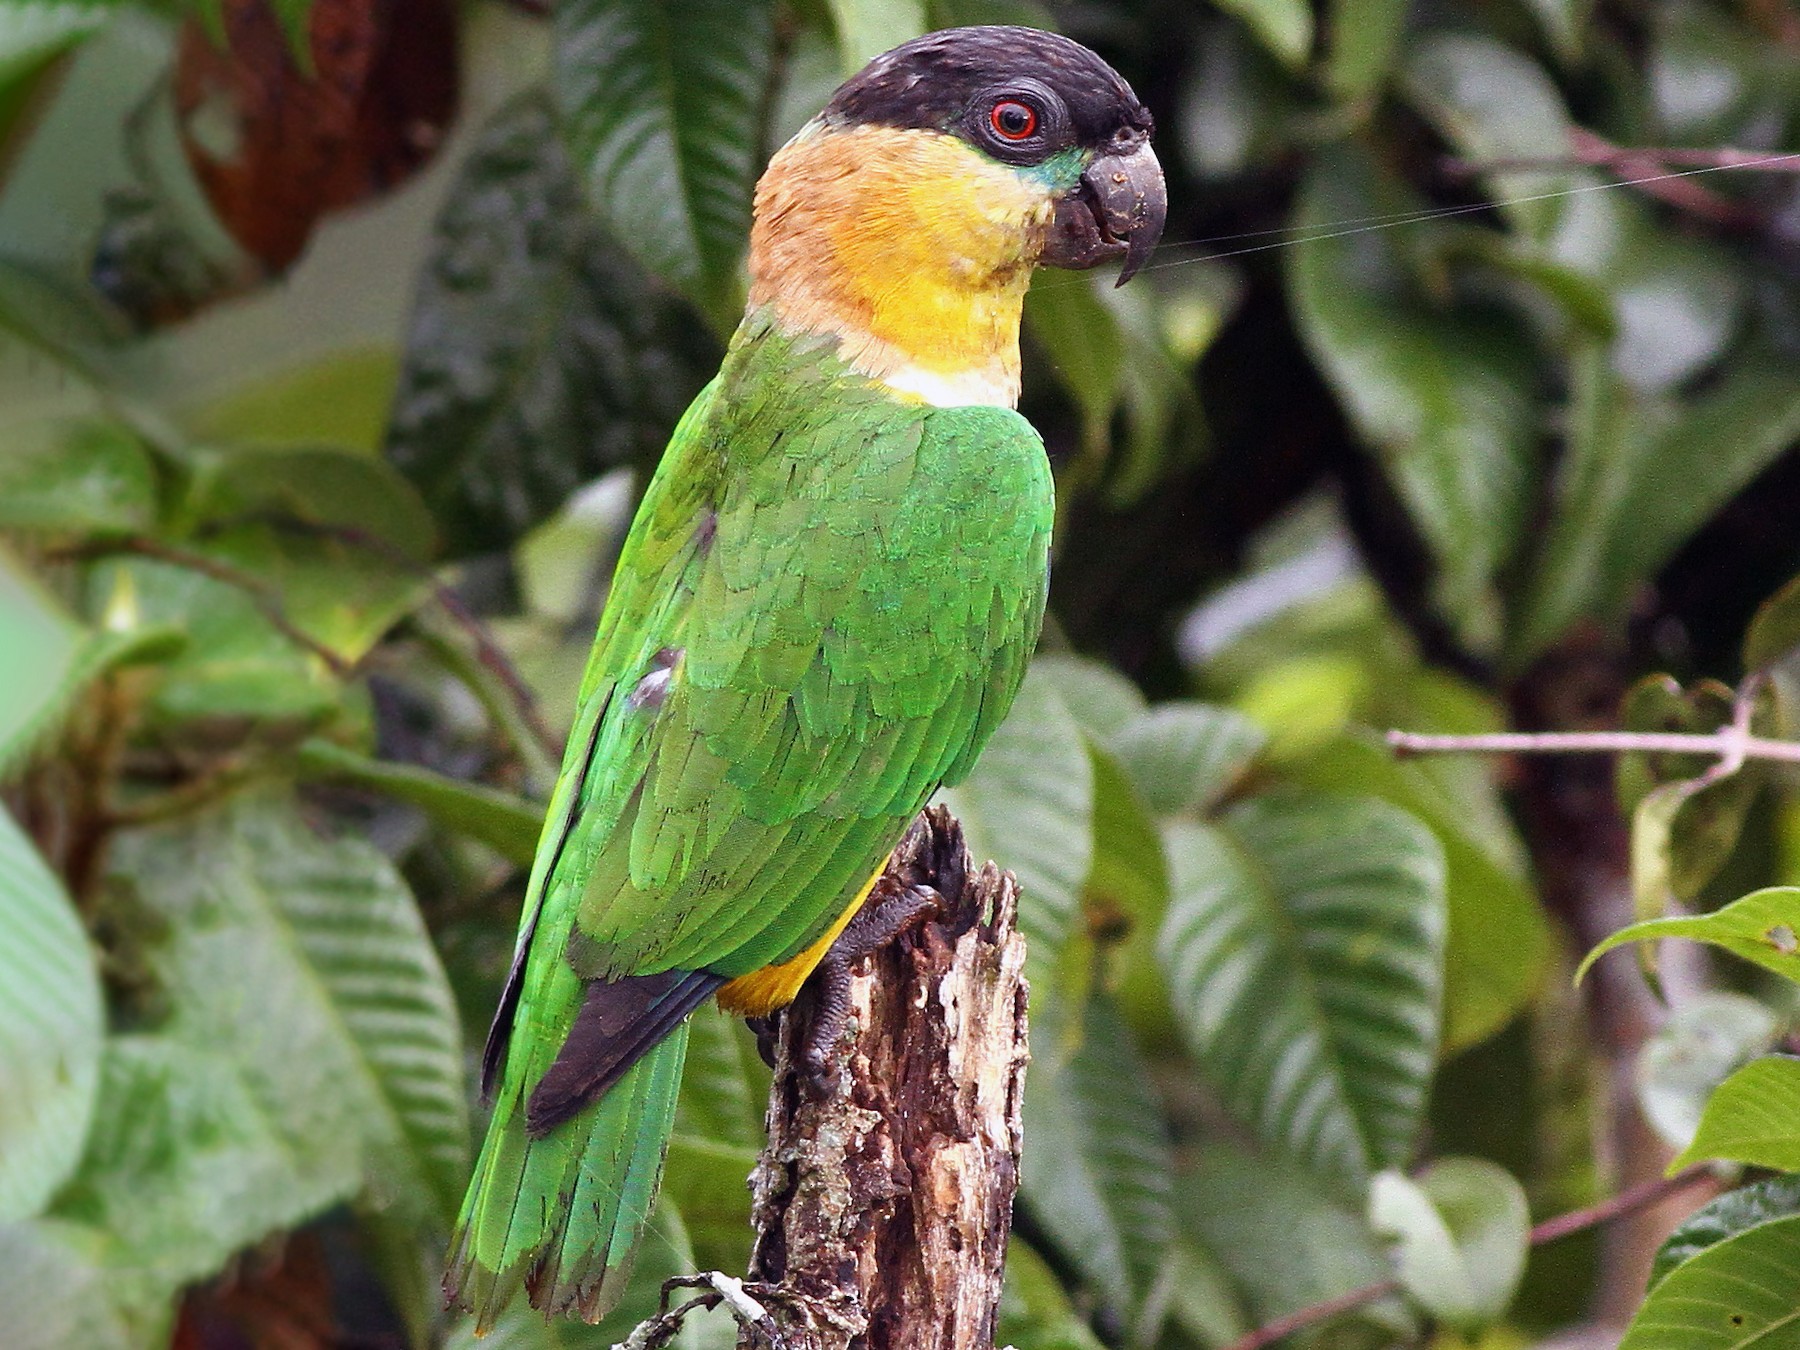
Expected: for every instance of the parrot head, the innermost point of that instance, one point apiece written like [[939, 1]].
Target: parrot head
[[905, 220]]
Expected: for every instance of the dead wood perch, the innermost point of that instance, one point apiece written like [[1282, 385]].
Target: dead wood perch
[[882, 1209]]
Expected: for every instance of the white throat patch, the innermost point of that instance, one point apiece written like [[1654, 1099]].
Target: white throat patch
[[990, 388]]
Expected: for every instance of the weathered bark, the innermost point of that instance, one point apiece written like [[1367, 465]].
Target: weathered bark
[[882, 1208]]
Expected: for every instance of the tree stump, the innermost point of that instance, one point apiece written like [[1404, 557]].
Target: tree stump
[[882, 1209]]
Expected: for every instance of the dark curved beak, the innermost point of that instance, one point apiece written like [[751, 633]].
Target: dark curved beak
[[1117, 210]]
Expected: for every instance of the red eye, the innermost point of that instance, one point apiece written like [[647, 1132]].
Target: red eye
[[1012, 120]]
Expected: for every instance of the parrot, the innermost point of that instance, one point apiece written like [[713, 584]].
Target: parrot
[[822, 609]]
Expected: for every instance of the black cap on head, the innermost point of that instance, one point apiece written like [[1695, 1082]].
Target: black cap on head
[[959, 80]]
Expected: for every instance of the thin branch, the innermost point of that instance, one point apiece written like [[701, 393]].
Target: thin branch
[[1728, 744], [261, 594], [1301, 1318], [1625, 1202], [488, 652], [1654, 170], [1551, 1230], [1674, 157]]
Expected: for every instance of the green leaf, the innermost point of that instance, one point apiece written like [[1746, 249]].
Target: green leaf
[[1285, 27], [1752, 1117], [867, 28], [33, 31], [1564, 23], [724, 1087], [1284, 1239], [185, 1166], [1182, 757], [50, 1029], [1029, 806], [234, 663], [1101, 699], [1686, 817], [1193, 1293], [1732, 1213], [662, 106], [1498, 947], [538, 355], [1493, 103], [1123, 351], [1365, 39], [1641, 474], [1035, 1313], [507, 824], [1763, 927], [39, 645], [56, 1292], [1098, 1173], [1736, 1295], [1461, 1229], [1706, 1037], [1774, 632], [340, 538], [1127, 880], [95, 477], [1303, 949], [46, 659], [298, 978], [1444, 399]]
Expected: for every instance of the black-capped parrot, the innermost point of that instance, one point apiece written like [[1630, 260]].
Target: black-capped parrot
[[822, 610]]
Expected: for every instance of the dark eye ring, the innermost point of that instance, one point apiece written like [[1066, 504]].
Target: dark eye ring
[[1013, 120]]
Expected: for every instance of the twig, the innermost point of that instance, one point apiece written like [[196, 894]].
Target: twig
[[261, 594], [1650, 168], [1550, 1230], [1302, 1318], [1728, 743], [1674, 157], [1625, 1202], [487, 651]]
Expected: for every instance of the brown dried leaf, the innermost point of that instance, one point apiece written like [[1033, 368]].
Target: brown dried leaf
[[275, 146]]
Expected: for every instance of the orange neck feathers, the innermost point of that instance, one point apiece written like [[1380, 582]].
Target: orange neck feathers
[[908, 246]]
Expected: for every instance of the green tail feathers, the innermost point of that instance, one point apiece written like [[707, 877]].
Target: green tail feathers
[[563, 1214]]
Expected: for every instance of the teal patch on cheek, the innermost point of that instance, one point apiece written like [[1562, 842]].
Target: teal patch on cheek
[[1060, 172]]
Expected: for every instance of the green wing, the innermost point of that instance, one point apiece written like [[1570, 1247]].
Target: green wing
[[822, 610], [853, 595]]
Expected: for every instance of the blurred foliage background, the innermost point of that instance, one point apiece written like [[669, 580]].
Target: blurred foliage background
[[335, 341]]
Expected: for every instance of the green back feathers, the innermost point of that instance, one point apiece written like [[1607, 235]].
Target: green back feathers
[[822, 610]]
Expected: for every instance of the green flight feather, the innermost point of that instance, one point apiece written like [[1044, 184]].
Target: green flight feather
[[848, 586]]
